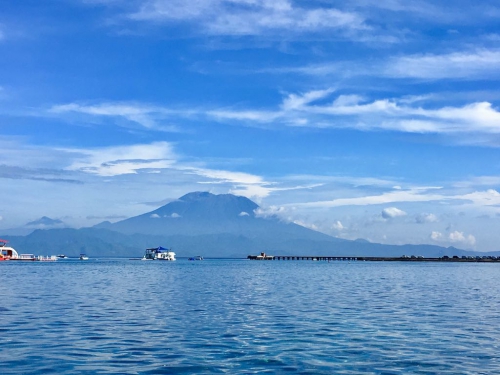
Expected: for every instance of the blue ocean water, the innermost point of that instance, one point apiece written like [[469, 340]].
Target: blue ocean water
[[117, 316]]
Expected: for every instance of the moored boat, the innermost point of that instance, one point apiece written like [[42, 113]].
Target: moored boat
[[42, 258], [7, 251], [159, 253], [27, 257]]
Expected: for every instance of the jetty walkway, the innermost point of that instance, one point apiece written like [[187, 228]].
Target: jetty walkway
[[465, 259]]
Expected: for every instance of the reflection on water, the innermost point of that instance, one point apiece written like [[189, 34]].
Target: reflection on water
[[239, 316]]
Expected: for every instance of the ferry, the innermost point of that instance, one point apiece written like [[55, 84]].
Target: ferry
[[159, 253]]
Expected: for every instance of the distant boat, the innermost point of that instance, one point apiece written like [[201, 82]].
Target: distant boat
[[159, 253], [84, 257], [61, 256]]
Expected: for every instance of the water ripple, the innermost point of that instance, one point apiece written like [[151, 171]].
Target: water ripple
[[242, 317]]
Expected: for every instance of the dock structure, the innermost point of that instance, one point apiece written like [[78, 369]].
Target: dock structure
[[484, 259]]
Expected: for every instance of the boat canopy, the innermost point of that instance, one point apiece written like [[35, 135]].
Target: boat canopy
[[158, 249]]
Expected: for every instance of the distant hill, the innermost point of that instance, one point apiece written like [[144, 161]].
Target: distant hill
[[211, 225], [43, 223]]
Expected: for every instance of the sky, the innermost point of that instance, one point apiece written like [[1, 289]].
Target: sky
[[362, 119]]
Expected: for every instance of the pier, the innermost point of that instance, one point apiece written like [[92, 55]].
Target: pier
[[469, 259]]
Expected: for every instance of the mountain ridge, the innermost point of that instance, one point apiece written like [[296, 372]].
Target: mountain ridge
[[222, 225]]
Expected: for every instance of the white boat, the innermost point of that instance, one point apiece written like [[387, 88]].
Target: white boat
[[264, 256], [84, 257], [7, 252], [159, 253]]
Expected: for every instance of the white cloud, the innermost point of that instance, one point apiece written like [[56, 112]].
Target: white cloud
[[353, 111], [454, 237], [154, 216], [463, 65], [459, 237], [305, 224], [175, 215], [243, 213], [337, 225], [467, 65], [426, 218], [317, 108], [248, 17], [118, 160], [488, 199], [148, 116], [392, 212], [270, 211], [436, 236], [409, 195], [294, 101]]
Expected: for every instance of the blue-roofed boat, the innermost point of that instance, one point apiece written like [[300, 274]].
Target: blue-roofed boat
[[159, 253]]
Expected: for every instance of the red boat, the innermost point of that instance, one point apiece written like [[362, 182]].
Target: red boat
[[7, 252]]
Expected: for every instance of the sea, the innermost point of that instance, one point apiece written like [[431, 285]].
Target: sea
[[237, 316]]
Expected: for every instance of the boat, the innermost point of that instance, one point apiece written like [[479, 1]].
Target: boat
[[198, 257], [262, 256], [42, 258], [27, 257], [84, 257], [159, 253], [62, 256], [7, 252]]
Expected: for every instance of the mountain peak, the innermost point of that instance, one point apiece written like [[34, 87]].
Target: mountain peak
[[45, 221], [196, 196]]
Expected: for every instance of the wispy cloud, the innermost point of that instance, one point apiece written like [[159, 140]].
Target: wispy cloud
[[248, 17], [488, 198], [470, 64], [463, 65], [118, 160], [150, 117], [36, 174], [320, 109], [354, 111]]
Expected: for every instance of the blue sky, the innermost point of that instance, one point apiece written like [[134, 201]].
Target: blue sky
[[361, 119]]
